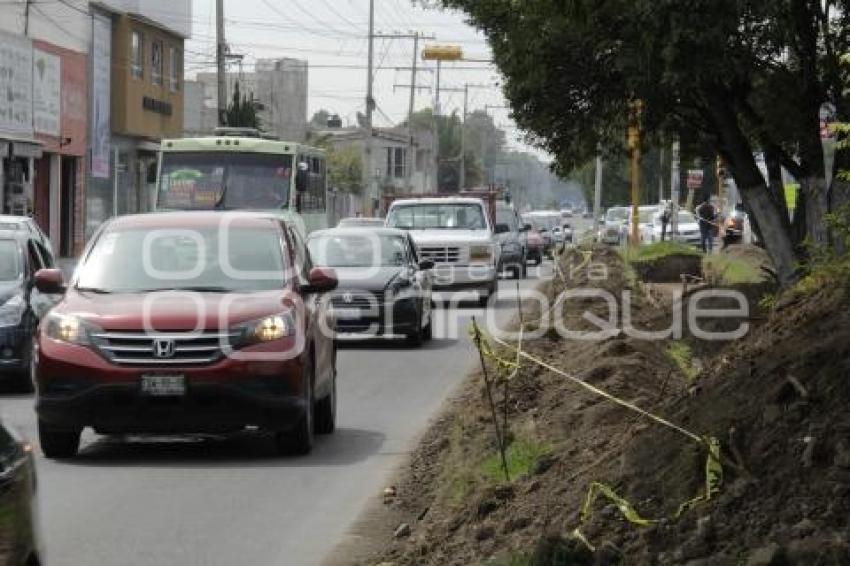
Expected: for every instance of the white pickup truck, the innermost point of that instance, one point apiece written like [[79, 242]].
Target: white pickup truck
[[458, 235]]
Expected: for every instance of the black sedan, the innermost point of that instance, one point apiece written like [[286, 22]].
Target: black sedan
[[21, 305], [384, 288], [19, 534]]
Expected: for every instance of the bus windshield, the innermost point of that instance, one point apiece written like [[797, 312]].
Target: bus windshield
[[224, 180]]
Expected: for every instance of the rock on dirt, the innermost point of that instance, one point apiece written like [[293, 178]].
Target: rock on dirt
[[767, 555], [402, 531]]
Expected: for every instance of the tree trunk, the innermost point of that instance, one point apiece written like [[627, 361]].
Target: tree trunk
[[754, 191], [817, 205]]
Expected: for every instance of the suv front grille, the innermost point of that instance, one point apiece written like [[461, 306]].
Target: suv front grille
[[165, 349], [440, 254], [357, 299]]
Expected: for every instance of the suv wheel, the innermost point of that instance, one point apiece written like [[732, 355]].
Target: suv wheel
[[57, 443], [326, 411], [484, 298], [414, 337], [299, 440]]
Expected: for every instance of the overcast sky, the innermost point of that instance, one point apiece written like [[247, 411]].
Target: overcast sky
[[331, 35]]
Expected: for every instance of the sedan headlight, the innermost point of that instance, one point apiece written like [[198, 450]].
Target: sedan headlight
[[480, 253], [12, 311], [267, 329], [67, 328]]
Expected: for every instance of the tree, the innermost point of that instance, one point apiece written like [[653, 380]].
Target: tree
[[320, 119], [740, 75], [242, 110], [449, 150], [345, 167]]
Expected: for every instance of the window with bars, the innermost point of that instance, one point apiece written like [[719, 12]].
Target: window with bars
[[137, 60], [396, 162]]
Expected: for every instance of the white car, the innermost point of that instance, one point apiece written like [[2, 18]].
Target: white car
[[687, 230], [458, 235], [613, 228], [646, 216]]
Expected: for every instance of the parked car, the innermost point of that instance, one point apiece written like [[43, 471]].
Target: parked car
[[29, 226], [612, 230], [548, 222], [384, 288], [361, 221], [20, 533], [188, 322], [21, 305], [534, 244], [687, 231], [646, 215], [458, 235], [512, 235]]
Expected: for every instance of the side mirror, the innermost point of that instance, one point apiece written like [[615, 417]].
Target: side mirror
[[527, 228], [302, 177], [320, 280], [426, 264], [502, 229], [49, 281]]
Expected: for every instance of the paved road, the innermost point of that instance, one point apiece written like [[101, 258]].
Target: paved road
[[189, 501]]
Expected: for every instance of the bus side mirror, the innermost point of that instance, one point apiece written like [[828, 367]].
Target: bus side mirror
[[301, 178]]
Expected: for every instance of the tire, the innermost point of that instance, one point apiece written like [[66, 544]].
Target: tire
[[523, 268], [26, 379], [414, 337], [57, 443], [484, 300], [326, 411], [299, 440]]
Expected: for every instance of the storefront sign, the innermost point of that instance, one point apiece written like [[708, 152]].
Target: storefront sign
[[101, 61], [15, 84], [46, 93], [695, 177]]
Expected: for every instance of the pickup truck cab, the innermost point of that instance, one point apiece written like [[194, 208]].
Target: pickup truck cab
[[458, 235]]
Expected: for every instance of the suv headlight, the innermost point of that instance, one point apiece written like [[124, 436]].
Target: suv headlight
[[481, 253], [68, 328], [12, 311], [267, 329]]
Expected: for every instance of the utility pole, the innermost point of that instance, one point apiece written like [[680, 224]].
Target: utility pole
[[411, 158], [674, 188], [435, 116], [462, 182], [220, 61], [661, 175], [370, 103], [597, 193], [634, 150], [27, 18]]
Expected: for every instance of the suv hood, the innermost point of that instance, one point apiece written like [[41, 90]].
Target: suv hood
[[171, 311], [451, 236], [368, 278]]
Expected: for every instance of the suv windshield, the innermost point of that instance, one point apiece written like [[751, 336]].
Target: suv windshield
[[10, 260], [358, 251], [206, 181], [617, 215], [205, 259], [465, 216]]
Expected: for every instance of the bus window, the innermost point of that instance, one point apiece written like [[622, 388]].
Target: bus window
[[205, 181]]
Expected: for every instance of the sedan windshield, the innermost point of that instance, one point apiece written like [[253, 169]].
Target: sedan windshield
[[207, 181], [368, 250], [617, 215], [437, 216], [206, 259], [10, 260]]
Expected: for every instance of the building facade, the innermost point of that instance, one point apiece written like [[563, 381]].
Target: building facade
[[279, 85]]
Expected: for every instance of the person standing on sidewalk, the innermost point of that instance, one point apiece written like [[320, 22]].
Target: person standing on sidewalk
[[707, 217], [665, 220]]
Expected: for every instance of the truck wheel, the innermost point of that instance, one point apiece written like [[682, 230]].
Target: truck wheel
[[58, 443], [326, 411]]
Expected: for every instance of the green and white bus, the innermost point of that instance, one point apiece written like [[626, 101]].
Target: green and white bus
[[239, 169]]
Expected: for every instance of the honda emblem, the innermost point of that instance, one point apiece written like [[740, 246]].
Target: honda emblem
[[163, 348]]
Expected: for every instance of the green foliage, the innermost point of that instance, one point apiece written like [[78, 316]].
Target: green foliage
[[829, 268], [345, 168], [659, 250], [725, 270], [682, 355], [522, 455], [242, 111]]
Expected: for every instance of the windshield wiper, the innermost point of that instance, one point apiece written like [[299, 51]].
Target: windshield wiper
[[196, 288], [97, 290]]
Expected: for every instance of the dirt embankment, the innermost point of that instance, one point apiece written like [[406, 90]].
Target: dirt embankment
[[776, 400]]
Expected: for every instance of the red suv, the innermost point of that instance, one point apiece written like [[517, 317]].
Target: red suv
[[189, 322]]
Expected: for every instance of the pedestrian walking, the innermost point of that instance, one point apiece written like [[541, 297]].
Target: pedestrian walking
[[707, 217], [665, 220]]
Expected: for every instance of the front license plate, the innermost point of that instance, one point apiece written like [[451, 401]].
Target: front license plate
[[164, 385]]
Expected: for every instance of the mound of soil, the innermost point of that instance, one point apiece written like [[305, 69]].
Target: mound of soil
[[669, 268], [776, 400]]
